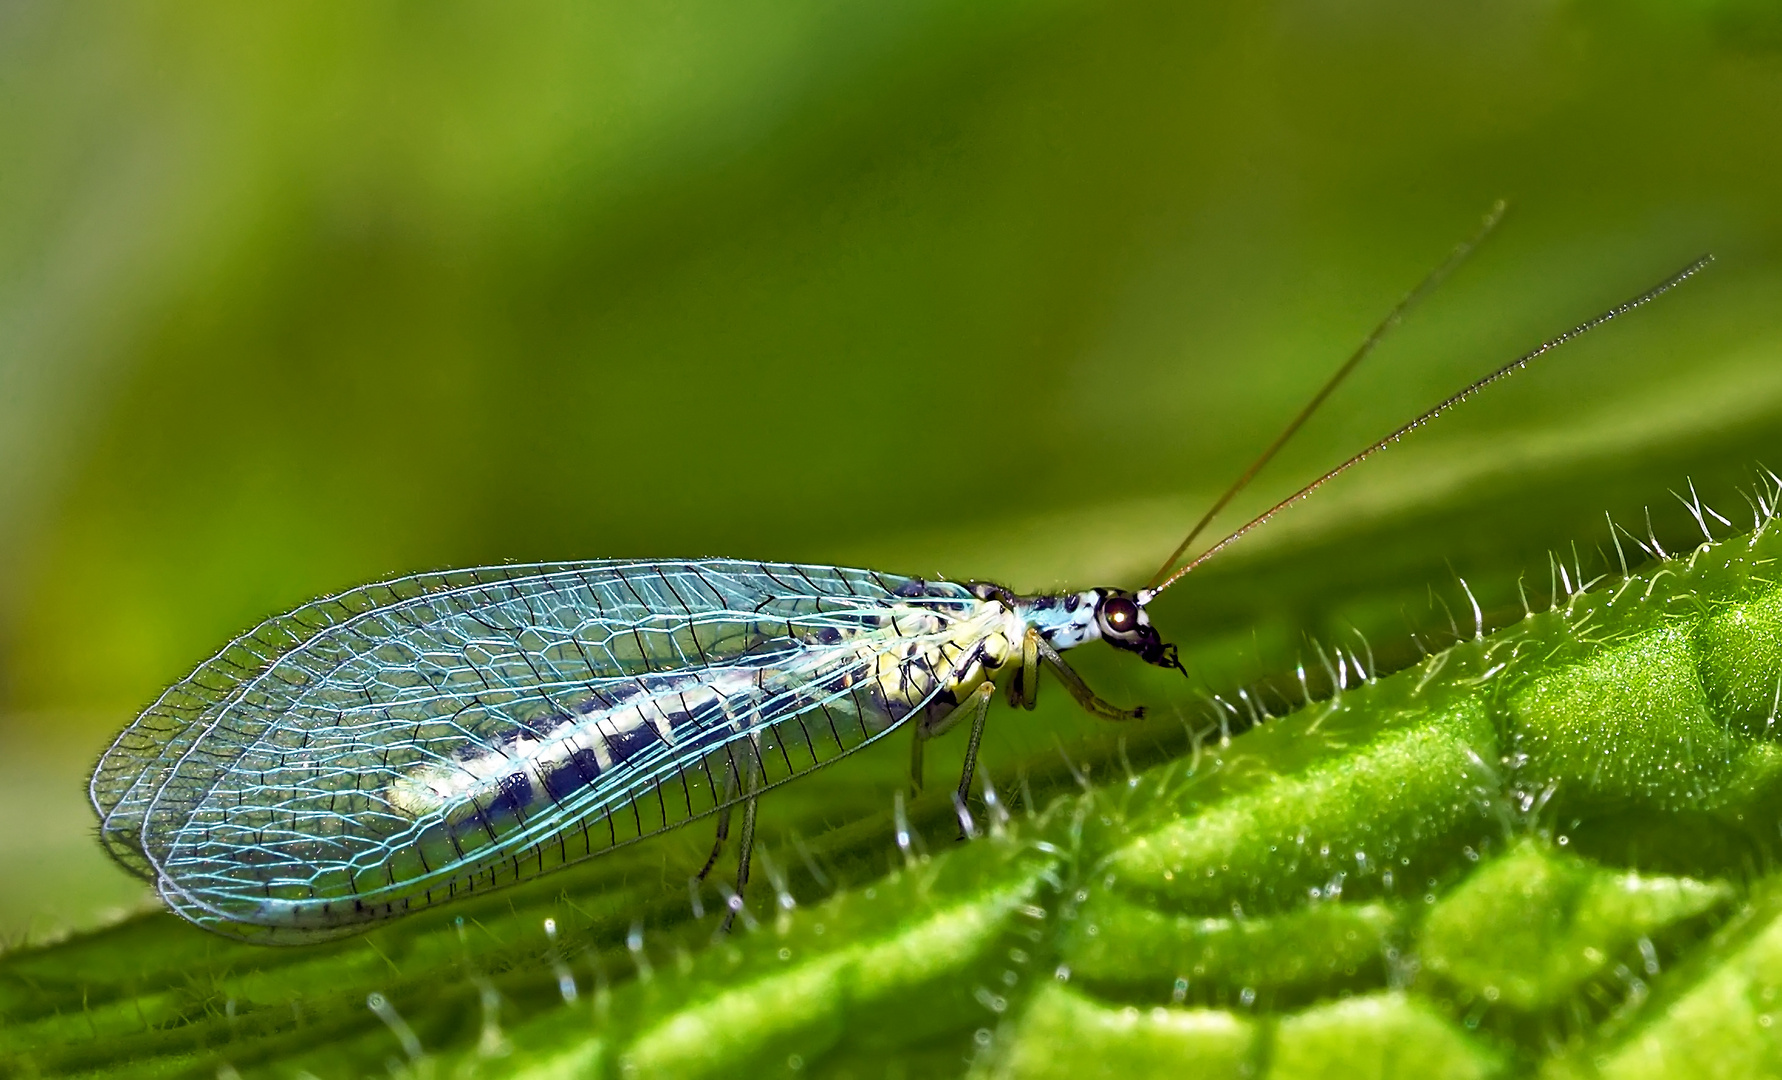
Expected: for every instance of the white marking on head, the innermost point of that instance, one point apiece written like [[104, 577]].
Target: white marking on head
[[1080, 625]]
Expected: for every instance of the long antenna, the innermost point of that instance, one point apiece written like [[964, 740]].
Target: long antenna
[[1510, 368], [1410, 299]]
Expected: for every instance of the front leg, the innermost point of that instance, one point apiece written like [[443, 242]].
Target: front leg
[[1024, 687], [1079, 689]]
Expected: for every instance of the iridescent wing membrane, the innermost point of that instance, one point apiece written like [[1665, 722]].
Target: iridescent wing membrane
[[403, 743]]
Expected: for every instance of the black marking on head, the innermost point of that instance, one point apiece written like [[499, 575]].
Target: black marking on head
[[1120, 618]]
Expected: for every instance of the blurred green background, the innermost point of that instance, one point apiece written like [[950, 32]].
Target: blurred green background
[[297, 296]]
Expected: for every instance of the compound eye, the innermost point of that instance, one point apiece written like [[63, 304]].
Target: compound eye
[[1121, 615]]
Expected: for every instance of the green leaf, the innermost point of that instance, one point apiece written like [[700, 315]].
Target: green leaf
[[1426, 873], [295, 298]]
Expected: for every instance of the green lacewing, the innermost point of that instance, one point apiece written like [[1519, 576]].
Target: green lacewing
[[405, 743]]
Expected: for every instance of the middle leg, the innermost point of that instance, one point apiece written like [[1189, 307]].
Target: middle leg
[[981, 708], [978, 700]]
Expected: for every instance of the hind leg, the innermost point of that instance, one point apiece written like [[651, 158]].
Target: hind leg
[[749, 783], [745, 853], [727, 800]]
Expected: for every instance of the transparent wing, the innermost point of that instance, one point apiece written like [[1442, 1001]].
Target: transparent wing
[[406, 742]]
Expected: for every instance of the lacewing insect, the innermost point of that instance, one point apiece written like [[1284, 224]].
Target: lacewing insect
[[402, 744]]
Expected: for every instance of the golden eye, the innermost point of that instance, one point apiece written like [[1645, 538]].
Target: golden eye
[[1120, 614]]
